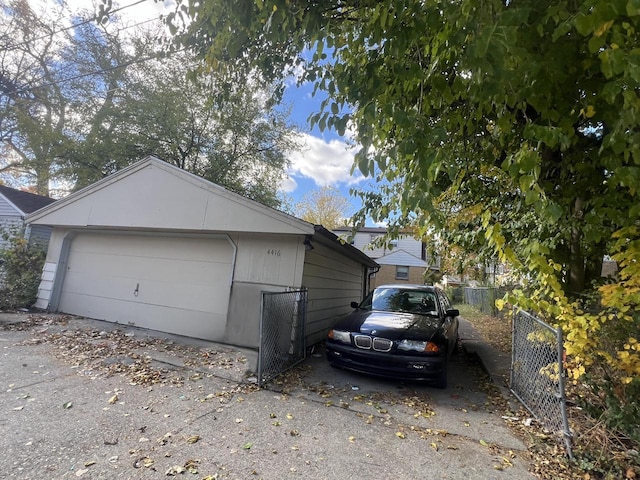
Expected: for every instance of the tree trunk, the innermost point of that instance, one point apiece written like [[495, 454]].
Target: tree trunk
[[576, 266]]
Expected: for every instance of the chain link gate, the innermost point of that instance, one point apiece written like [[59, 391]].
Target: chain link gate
[[282, 342], [537, 374]]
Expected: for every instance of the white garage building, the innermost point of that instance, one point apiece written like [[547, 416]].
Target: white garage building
[[160, 248]]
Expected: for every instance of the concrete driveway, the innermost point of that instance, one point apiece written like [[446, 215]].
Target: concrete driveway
[[80, 400]]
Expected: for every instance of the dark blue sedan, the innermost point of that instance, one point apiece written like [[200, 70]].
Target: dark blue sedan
[[398, 331]]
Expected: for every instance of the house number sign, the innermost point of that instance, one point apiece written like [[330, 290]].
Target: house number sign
[[273, 252]]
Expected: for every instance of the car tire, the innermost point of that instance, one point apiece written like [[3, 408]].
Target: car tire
[[456, 346], [441, 381]]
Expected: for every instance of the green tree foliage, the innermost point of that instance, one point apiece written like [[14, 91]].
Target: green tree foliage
[[77, 104], [513, 123], [20, 270], [325, 206]]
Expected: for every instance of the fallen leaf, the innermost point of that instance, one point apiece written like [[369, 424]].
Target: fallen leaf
[[79, 473], [247, 446], [18, 408], [192, 466], [483, 443], [434, 445], [400, 435], [67, 405], [352, 439], [89, 463], [113, 399], [193, 439], [176, 469], [289, 416]]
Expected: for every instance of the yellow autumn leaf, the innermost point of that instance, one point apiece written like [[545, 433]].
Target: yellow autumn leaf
[[352, 439], [193, 439], [400, 435], [434, 445], [113, 399]]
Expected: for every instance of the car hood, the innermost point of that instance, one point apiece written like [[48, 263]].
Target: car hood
[[391, 325]]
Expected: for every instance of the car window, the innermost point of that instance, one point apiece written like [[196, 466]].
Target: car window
[[399, 300]]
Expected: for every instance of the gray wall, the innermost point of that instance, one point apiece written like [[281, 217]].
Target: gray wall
[[334, 281]]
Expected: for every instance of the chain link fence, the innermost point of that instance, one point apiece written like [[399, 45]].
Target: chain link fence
[[537, 375], [282, 342], [483, 298]]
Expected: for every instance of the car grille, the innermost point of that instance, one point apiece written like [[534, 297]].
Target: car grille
[[362, 341], [382, 344], [378, 344]]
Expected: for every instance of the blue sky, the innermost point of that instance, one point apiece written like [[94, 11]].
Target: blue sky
[[326, 157]]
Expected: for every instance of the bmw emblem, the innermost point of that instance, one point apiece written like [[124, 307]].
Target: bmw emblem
[[373, 332]]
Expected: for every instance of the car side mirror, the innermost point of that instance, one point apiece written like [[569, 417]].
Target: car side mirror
[[355, 304], [452, 312]]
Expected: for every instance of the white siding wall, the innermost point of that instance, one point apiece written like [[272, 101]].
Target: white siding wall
[[8, 225], [334, 281], [268, 263], [10, 219], [363, 240]]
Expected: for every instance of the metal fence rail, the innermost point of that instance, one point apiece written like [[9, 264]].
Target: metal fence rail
[[282, 343], [537, 375]]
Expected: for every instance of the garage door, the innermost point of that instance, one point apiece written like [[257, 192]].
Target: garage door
[[172, 284]]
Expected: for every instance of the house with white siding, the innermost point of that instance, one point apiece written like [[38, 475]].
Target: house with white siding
[[15, 205], [402, 260], [157, 247]]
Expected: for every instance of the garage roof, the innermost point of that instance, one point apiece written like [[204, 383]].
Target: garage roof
[[152, 194]]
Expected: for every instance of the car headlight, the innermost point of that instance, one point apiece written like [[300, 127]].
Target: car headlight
[[418, 346], [340, 336]]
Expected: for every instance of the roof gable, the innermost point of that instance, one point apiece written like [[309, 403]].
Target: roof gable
[[24, 202], [152, 194], [400, 257]]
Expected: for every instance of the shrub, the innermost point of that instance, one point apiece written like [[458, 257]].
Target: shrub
[[20, 271]]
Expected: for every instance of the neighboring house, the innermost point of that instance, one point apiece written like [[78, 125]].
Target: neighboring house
[[14, 206], [155, 246], [404, 261]]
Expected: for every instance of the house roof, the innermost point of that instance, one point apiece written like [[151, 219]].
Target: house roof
[[24, 202], [330, 238], [363, 229], [401, 257]]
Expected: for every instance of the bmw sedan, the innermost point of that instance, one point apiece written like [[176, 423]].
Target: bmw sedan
[[398, 331]]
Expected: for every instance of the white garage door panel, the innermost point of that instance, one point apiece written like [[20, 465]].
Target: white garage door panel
[[172, 284], [182, 271], [165, 319]]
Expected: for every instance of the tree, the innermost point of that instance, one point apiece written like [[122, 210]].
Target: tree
[[33, 107], [526, 113], [79, 103], [325, 206]]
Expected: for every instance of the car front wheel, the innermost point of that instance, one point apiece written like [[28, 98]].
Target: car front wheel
[[441, 381]]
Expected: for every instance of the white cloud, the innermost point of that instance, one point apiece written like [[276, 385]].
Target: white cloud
[[288, 184], [325, 162]]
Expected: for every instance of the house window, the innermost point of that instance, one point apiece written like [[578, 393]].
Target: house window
[[402, 272]]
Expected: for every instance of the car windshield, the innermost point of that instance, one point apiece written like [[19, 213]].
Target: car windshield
[[400, 300]]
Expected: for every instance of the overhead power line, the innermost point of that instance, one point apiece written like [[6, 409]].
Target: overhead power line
[[75, 25], [98, 72]]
